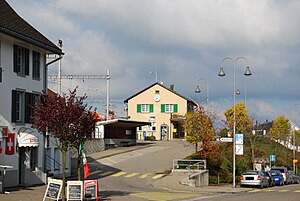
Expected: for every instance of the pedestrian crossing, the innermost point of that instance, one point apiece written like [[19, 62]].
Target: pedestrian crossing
[[127, 174]]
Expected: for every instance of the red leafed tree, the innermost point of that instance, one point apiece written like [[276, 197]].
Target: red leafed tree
[[66, 118]]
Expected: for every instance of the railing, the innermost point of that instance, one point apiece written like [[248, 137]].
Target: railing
[[51, 162], [187, 165]]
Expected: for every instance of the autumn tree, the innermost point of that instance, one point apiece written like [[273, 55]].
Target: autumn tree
[[243, 125], [65, 118], [280, 132], [197, 125]]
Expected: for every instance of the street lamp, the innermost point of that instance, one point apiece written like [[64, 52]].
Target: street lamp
[[238, 92], [221, 74], [198, 90]]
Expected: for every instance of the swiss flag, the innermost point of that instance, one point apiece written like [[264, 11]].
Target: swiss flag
[[10, 144]]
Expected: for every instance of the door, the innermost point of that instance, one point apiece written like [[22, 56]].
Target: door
[[164, 132]]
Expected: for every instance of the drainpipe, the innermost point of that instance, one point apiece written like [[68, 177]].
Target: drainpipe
[[46, 90]]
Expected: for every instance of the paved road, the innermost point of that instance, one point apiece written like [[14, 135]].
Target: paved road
[[287, 193], [129, 175]]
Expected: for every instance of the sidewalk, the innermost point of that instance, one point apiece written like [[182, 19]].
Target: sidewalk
[[172, 182], [169, 182]]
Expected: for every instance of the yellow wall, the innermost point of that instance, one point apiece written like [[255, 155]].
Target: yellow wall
[[147, 97]]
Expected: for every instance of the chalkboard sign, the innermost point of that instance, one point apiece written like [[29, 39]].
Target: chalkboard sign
[[53, 189], [74, 190], [91, 189]]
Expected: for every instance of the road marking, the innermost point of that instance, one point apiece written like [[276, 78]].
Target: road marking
[[95, 172], [269, 190], [132, 175], [106, 173], [158, 176], [297, 191], [163, 196], [138, 154], [254, 191], [119, 174], [145, 176], [283, 191]]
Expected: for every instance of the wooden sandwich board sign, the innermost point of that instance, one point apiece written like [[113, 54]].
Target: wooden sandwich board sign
[[74, 190], [91, 190], [53, 189]]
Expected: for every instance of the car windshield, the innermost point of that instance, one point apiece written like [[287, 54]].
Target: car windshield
[[275, 173], [251, 173], [281, 170]]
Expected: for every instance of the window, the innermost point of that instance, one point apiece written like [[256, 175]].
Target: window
[[21, 60], [169, 108], [152, 126], [36, 65], [144, 108], [18, 106], [30, 101], [22, 103], [156, 91]]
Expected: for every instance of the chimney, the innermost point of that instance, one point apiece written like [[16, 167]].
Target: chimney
[[172, 87]]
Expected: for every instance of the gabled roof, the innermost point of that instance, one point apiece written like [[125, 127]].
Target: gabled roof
[[157, 83], [13, 25]]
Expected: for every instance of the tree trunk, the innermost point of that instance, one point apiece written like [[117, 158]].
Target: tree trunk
[[196, 147], [78, 165], [64, 157]]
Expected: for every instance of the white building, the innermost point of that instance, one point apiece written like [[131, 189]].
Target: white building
[[23, 75]]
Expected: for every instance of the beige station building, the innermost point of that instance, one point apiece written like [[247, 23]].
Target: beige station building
[[163, 108]]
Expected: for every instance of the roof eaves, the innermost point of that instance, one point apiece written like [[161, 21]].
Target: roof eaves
[[31, 40]]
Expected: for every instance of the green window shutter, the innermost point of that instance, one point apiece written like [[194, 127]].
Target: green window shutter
[[151, 108], [175, 107], [138, 108], [162, 107]]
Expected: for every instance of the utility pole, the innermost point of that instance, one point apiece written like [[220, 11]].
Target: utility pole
[[83, 77]]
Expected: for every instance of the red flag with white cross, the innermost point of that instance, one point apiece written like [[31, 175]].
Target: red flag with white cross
[[10, 144]]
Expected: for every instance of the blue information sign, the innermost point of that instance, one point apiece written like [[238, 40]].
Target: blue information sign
[[272, 158]]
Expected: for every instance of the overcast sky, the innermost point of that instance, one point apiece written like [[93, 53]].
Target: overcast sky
[[184, 40]]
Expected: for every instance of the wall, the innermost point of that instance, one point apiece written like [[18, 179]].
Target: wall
[[147, 97]]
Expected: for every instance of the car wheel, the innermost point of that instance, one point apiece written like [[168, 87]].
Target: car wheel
[[261, 185]]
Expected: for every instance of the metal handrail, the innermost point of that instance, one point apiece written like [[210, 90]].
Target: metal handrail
[[52, 162], [189, 164]]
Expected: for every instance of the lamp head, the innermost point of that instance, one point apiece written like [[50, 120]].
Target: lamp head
[[247, 71], [221, 72], [238, 92], [197, 90]]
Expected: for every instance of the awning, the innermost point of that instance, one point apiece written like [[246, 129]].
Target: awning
[[27, 138]]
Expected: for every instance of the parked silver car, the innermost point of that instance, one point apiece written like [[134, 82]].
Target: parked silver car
[[254, 178]]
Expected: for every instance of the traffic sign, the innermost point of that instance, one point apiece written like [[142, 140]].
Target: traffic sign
[[272, 158], [239, 138], [239, 149], [226, 139]]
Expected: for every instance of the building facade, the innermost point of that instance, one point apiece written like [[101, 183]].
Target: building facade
[[23, 76], [163, 108]]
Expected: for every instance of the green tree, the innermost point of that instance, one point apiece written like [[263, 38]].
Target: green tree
[[197, 125], [66, 119], [280, 132]]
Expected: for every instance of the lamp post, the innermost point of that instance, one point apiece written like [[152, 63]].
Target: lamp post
[[198, 90], [238, 92], [221, 74]]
